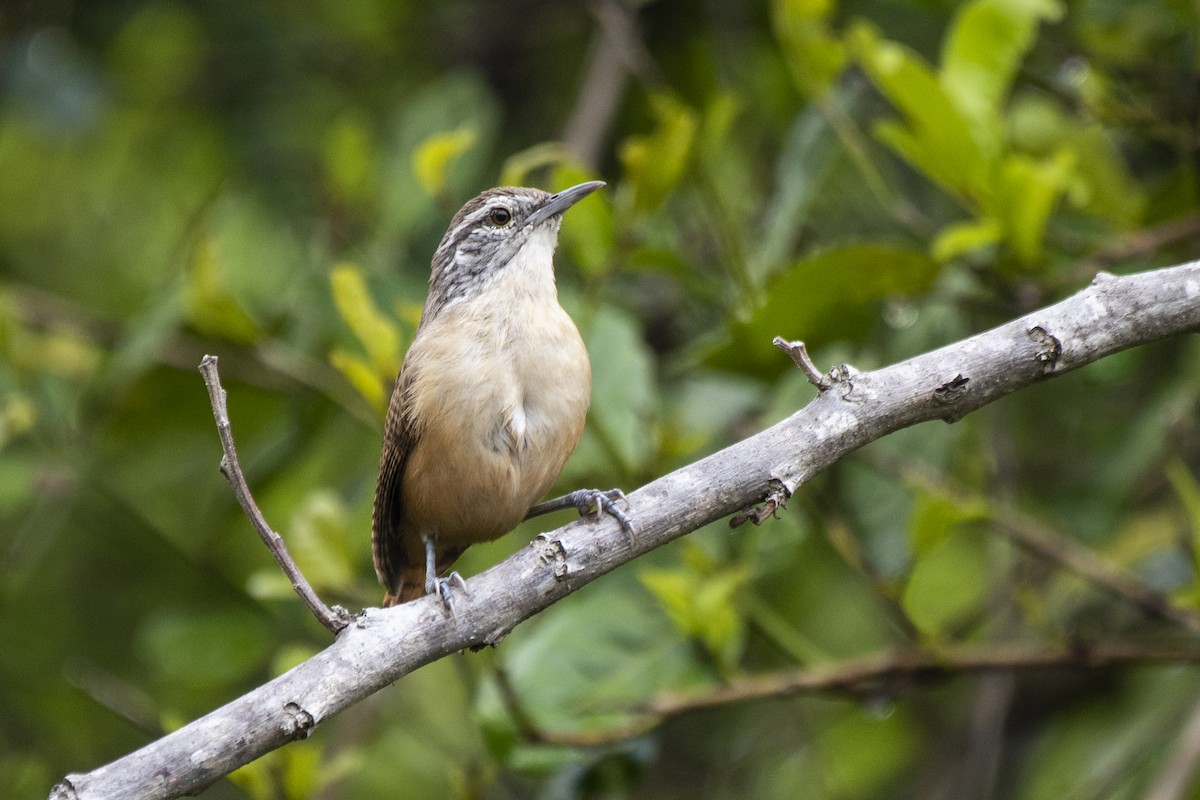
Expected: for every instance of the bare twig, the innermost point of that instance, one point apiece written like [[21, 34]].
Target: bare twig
[[889, 671], [1037, 537], [799, 355], [382, 645], [333, 619]]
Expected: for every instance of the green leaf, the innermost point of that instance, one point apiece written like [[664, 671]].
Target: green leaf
[[934, 518], [436, 155], [588, 234], [622, 386], [655, 163], [703, 606], [365, 380], [948, 583], [349, 161], [378, 335], [936, 136], [588, 664], [520, 166], [210, 307], [1033, 188], [827, 297], [864, 753], [1187, 489], [814, 56], [960, 238], [203, 648], [982, 52]]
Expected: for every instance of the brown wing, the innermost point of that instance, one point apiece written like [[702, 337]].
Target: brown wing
[[396, 558], [398, 548]]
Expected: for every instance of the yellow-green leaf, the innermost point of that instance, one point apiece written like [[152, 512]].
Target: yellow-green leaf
[[655, 163], [436, 155], [959, 238], [814, 56], [364, 379], [378, 335], [349, 160]]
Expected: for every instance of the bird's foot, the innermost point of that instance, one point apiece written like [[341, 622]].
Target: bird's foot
[[445, 589], [601, 502], [591, 501]]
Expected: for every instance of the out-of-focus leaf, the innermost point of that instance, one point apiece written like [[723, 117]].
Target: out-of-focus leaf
[[948, 583], [17, 416], [349, 158], [434, 158], [934, 518], [1032, 189], [864, 752], [981, 53], [814, 56], [377, 334], [203, 648], [1100, 182], [1187, 489], [655, 163], [365, 380], [588, 233], [826, 297], [519, 166], [936, 137], [319, 537], [622, 387], [960, 238], [588, 669], [806, 161], [459, 101], [701, 600], [159, 51], [211, 309]]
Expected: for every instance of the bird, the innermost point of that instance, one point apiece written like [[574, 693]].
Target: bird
[[490, 400]]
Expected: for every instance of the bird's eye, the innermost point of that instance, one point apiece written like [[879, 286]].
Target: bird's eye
[[499, 216]]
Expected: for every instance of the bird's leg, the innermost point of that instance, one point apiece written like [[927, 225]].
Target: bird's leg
[[590, 501], [435, 585]]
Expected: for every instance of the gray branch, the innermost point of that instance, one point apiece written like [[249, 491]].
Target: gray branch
[[381, 646]]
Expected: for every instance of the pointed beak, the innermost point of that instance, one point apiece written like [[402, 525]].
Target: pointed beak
[[558, 203]]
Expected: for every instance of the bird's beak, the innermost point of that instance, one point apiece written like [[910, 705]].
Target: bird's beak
[[558, 203]]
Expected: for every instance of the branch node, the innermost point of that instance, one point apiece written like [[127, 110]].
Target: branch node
[[64, 790], [1049, 348], [298, 723], [952, 390], [554, 555], [776, 497], [799, 355]]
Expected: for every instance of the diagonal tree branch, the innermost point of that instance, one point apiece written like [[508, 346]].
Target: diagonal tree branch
[[381, 646]]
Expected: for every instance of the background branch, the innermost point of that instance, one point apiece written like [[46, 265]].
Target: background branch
[[381, 646]]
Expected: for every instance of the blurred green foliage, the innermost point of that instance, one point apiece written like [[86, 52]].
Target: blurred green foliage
[[266, 182]]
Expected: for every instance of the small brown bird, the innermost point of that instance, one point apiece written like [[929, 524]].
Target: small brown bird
[[491, 397]]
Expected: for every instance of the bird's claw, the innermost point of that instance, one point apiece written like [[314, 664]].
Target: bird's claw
[[601, 502], [444, 588]]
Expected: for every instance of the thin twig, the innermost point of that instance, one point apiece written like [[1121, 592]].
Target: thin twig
[[1042, 539], [799, 355], [875, 671], [333, 619], [885, 671]]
